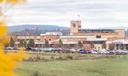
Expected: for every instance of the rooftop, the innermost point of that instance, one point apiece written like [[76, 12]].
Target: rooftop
[[97, 30], [52, 33]]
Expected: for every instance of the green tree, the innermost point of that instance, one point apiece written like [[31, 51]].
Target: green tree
[[31, 43], [12, 42], [111, 46], [25, 43], [21, 44], [46, 43], [7, 45], [60, 43], [80, 44], [104, 45]]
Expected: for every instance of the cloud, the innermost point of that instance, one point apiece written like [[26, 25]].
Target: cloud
[[60, 12]]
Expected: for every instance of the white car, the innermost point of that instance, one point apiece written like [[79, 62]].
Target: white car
[[73, 50], [9, 48], [93, 52], [103, 51], [121, 52]]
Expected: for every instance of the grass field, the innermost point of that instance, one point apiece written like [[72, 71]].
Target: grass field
[[99, 67]]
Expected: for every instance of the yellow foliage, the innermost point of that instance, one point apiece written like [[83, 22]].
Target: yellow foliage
[[3, 29], [2, 1], [15, 1], [5, 40], [9, 60], [8, 63], [12, 1]]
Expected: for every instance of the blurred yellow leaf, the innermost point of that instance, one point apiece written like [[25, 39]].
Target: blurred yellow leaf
[[3, 29], [8, 61], [15, 1], [2, 1], [4, 40], [12, 1]]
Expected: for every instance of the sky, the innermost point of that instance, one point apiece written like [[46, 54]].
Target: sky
[[93, 13]]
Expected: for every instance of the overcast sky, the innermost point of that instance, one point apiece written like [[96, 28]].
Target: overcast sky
[[93, 13]]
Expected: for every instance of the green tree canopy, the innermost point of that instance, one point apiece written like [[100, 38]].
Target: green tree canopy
[[60, 43], [12, 42], [31, 43], [46, 43], [80, 44]]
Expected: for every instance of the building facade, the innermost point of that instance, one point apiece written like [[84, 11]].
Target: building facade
[[101, 38], [89, 38]]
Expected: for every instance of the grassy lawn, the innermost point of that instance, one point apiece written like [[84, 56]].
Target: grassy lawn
[[100, 67]]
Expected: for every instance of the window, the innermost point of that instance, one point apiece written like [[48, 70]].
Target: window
[[98, 42], [98, 36], [79, 26], [74, 25]]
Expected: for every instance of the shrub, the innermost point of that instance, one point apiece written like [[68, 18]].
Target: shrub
[[44, 59], [60, 58], [36, 73], [70, 57], [52, 58]]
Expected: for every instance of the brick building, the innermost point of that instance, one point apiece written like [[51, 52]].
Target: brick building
[[101, 38], [90, 38]]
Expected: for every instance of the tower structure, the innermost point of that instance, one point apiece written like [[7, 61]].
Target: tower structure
[[75, 25]]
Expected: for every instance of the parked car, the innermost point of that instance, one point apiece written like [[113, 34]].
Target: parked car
[[73, 50], [47, 49], [125, 52], [112, 52], [36, 49], [9, 48], [28, 49], [118, 52], [82, 51], [103, 51], [93, 51], [57, 50]]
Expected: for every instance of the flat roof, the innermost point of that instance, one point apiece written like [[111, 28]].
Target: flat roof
[[77, 36], [28, 37], [96, 30], [70, 42], [121, 41], [96, 39]]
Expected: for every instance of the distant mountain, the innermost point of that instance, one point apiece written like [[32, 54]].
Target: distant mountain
[[37, 29], [41, 29]]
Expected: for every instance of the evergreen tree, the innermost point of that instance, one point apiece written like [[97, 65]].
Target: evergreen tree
[[60, 43], [24, 43], [104, 45], [111, 46], [46, 43], [12, 42], [31, 43], [80, 44], [21, 43]]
